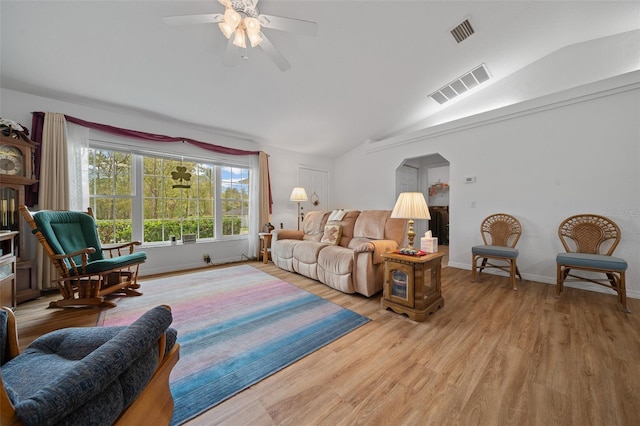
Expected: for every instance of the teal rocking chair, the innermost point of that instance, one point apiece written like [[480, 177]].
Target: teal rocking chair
[[87, 270]]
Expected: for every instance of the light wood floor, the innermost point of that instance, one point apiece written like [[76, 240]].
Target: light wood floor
[[491, 356]]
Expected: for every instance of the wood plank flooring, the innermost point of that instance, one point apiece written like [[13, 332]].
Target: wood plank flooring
[[491, 356]]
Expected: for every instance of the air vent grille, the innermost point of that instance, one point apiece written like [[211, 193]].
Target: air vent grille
[[462, 31], [462, 84]]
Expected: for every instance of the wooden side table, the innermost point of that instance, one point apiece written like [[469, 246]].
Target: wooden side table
[[264, 246], [412, 284]]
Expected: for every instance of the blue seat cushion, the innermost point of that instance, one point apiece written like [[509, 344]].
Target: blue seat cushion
[[495, 251], [595, 261]]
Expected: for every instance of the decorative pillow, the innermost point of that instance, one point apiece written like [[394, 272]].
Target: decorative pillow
[[337, 214], [332, 234]]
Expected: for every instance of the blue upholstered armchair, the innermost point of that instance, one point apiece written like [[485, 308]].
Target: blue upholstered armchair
[[89, 376], [87, 270]]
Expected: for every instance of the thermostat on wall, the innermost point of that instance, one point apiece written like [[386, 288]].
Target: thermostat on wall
[[469, 179]]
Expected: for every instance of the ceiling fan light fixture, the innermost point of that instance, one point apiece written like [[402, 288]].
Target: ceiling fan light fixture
[[252, 25], [254, 39], [239, 39], [226, 29], [232, 18]]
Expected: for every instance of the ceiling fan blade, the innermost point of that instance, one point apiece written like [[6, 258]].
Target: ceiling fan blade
[[273, 53], [207, 18], [231, 54], [291, 25]]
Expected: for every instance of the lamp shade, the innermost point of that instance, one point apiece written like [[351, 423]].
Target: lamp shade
[[298, 194], [411, 205]]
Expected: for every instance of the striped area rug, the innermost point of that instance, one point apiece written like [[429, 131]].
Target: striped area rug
[[236, 326]]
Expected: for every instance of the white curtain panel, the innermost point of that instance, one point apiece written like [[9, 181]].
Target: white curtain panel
[[78, 161], [254, 206]]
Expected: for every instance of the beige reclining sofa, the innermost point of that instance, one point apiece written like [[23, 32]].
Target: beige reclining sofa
[[339, 248]]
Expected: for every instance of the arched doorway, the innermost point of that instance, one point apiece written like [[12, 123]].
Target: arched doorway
[[428, 174]]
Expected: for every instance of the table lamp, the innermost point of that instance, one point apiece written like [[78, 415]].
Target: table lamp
[[411, 205], [298, 194]]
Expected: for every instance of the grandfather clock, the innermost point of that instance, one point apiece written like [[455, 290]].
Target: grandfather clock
[[16, 173]]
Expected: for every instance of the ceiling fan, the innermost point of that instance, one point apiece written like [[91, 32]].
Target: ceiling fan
[[241, 21]]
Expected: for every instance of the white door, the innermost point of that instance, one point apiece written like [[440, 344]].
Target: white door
[[316, 184]]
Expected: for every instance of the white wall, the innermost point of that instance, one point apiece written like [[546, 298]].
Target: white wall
[[542, 160], [18, 106]]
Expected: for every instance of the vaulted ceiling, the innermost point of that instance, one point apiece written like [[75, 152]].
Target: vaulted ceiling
[[365, 76]]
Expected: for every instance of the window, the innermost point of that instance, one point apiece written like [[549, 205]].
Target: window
[[177, 197], [235, 200], [111, 193]]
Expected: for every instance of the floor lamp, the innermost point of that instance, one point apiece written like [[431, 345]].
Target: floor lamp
[[411, 205], [298, 194]]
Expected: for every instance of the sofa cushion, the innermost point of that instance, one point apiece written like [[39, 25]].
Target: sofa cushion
[[313, 225], [307, 251], [336, 260], [396, 230], [371, 224], [348, 222], [332, 234]]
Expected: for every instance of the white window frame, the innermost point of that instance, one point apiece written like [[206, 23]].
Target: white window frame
[[101, 140]]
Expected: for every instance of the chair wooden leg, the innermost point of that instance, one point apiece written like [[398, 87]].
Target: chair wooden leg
[[474, 260], [512, 273], [559, 280], [518, 273], [484, 264], [622, 292]]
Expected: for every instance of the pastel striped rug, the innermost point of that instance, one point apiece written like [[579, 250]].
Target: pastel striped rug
[[236, 326]]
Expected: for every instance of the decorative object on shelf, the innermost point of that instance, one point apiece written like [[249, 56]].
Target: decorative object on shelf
[[268, 227], [410, 252], [411, 205], [438, 188], [315, 199], [11, 128], [428, 243], [298, 195], [181, 174]]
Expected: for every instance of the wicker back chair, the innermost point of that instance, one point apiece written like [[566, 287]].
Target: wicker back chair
[[589, 241], [500, 233], [87, 270]]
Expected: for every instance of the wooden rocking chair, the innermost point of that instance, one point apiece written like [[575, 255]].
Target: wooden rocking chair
[[87, 270]]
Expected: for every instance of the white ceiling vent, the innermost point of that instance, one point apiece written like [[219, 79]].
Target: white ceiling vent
[[461, 84], [462, 31]]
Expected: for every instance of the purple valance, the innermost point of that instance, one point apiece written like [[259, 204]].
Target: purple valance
[[36, 136], [119, 131]]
